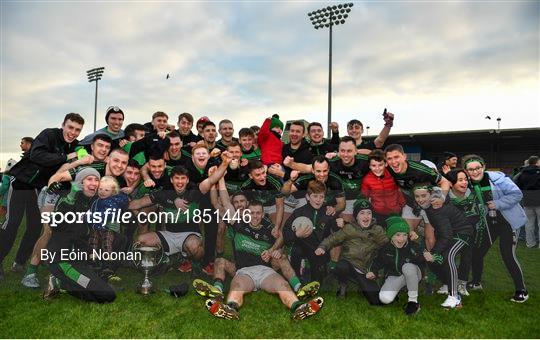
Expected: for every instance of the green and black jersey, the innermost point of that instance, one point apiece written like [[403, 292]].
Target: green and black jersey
[[177, 221], [266, 193], [416, 173], [251, 154], [468, 204], [351, 176], [162, 183], [249, 243], [99, 166]]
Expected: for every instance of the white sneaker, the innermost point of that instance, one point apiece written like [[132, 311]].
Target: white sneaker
[[443, 290], [462, 289], [452, 302], [30, 281]]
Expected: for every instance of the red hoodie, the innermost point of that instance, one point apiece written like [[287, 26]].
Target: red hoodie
[[269, 144], [383, 192]]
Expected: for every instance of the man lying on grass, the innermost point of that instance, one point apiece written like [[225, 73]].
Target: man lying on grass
[[254, 247]]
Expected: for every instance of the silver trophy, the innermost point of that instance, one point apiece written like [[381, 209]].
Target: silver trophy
[[150, 258]]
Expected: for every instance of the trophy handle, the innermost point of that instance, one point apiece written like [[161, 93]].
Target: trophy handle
[[135, 246]]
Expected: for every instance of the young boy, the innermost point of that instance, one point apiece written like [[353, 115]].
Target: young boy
[[249, 149], [452, 233], [401, 259], [361, 240], [307, 235], [381, 189]]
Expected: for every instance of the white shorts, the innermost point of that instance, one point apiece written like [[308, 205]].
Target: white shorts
[[47, 199], [271, 209], [407, 213], [290, 209], [175, 241], [349, 208], [257, 274]]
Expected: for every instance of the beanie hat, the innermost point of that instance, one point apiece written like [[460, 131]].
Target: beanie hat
[[113, 109], [85, 172], [448, 155], [396, 224], [276, 122], [360, 204]]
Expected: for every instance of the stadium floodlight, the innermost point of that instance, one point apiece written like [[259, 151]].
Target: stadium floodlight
[[332, 16], [95, 75]]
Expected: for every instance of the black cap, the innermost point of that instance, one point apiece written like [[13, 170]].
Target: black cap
[[448, 155]]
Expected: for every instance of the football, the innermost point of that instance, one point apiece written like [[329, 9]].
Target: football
[[301, 221]]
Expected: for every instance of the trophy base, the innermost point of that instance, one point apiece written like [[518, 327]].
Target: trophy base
[[146, 290]]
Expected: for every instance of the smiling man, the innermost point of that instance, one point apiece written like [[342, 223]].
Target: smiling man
[[115, 119], [51, 148]]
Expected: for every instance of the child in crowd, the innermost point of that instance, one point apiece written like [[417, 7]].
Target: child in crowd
[[103, 234], [269, 141], [401, 259], [381, 189], [360, 242], [452, 234]]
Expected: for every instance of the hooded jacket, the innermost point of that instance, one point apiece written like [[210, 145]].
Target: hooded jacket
[[507, 195], [359, 245]]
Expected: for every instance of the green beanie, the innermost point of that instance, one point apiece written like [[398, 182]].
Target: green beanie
[[276, 122], [396, 224], [360, 204]]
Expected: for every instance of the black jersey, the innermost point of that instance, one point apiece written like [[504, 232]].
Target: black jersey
[[222, 146], [351, 176], [416, 173], [322, 148], [249, 243], [178, 221], [300, 155], [334, 187], [235, 178], [266, 193], [99, 166], [176, 162]]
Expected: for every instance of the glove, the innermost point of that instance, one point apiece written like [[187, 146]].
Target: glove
[[81, 152], [54, 188]]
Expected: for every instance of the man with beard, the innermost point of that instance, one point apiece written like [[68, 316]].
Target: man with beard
[[266, 189], [177, 154], [51, 148]]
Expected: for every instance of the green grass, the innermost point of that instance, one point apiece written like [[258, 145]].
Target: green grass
[[488, 314]]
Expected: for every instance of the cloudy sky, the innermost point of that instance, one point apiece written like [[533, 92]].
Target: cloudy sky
[[436, 65]]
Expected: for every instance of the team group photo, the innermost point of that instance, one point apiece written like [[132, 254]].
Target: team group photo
[[180, 201]]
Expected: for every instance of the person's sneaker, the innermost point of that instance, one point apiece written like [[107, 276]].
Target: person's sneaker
[[209, 269], [307, 309], [221, 310], [30, 281], [17, 268], [308, 290], [462, 289], [452, 302], [443, 290], [520, 296], [412, 308], [52, 288], [474, 286], [185, 266], [205, 289], [291, 201], [342, 291]]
